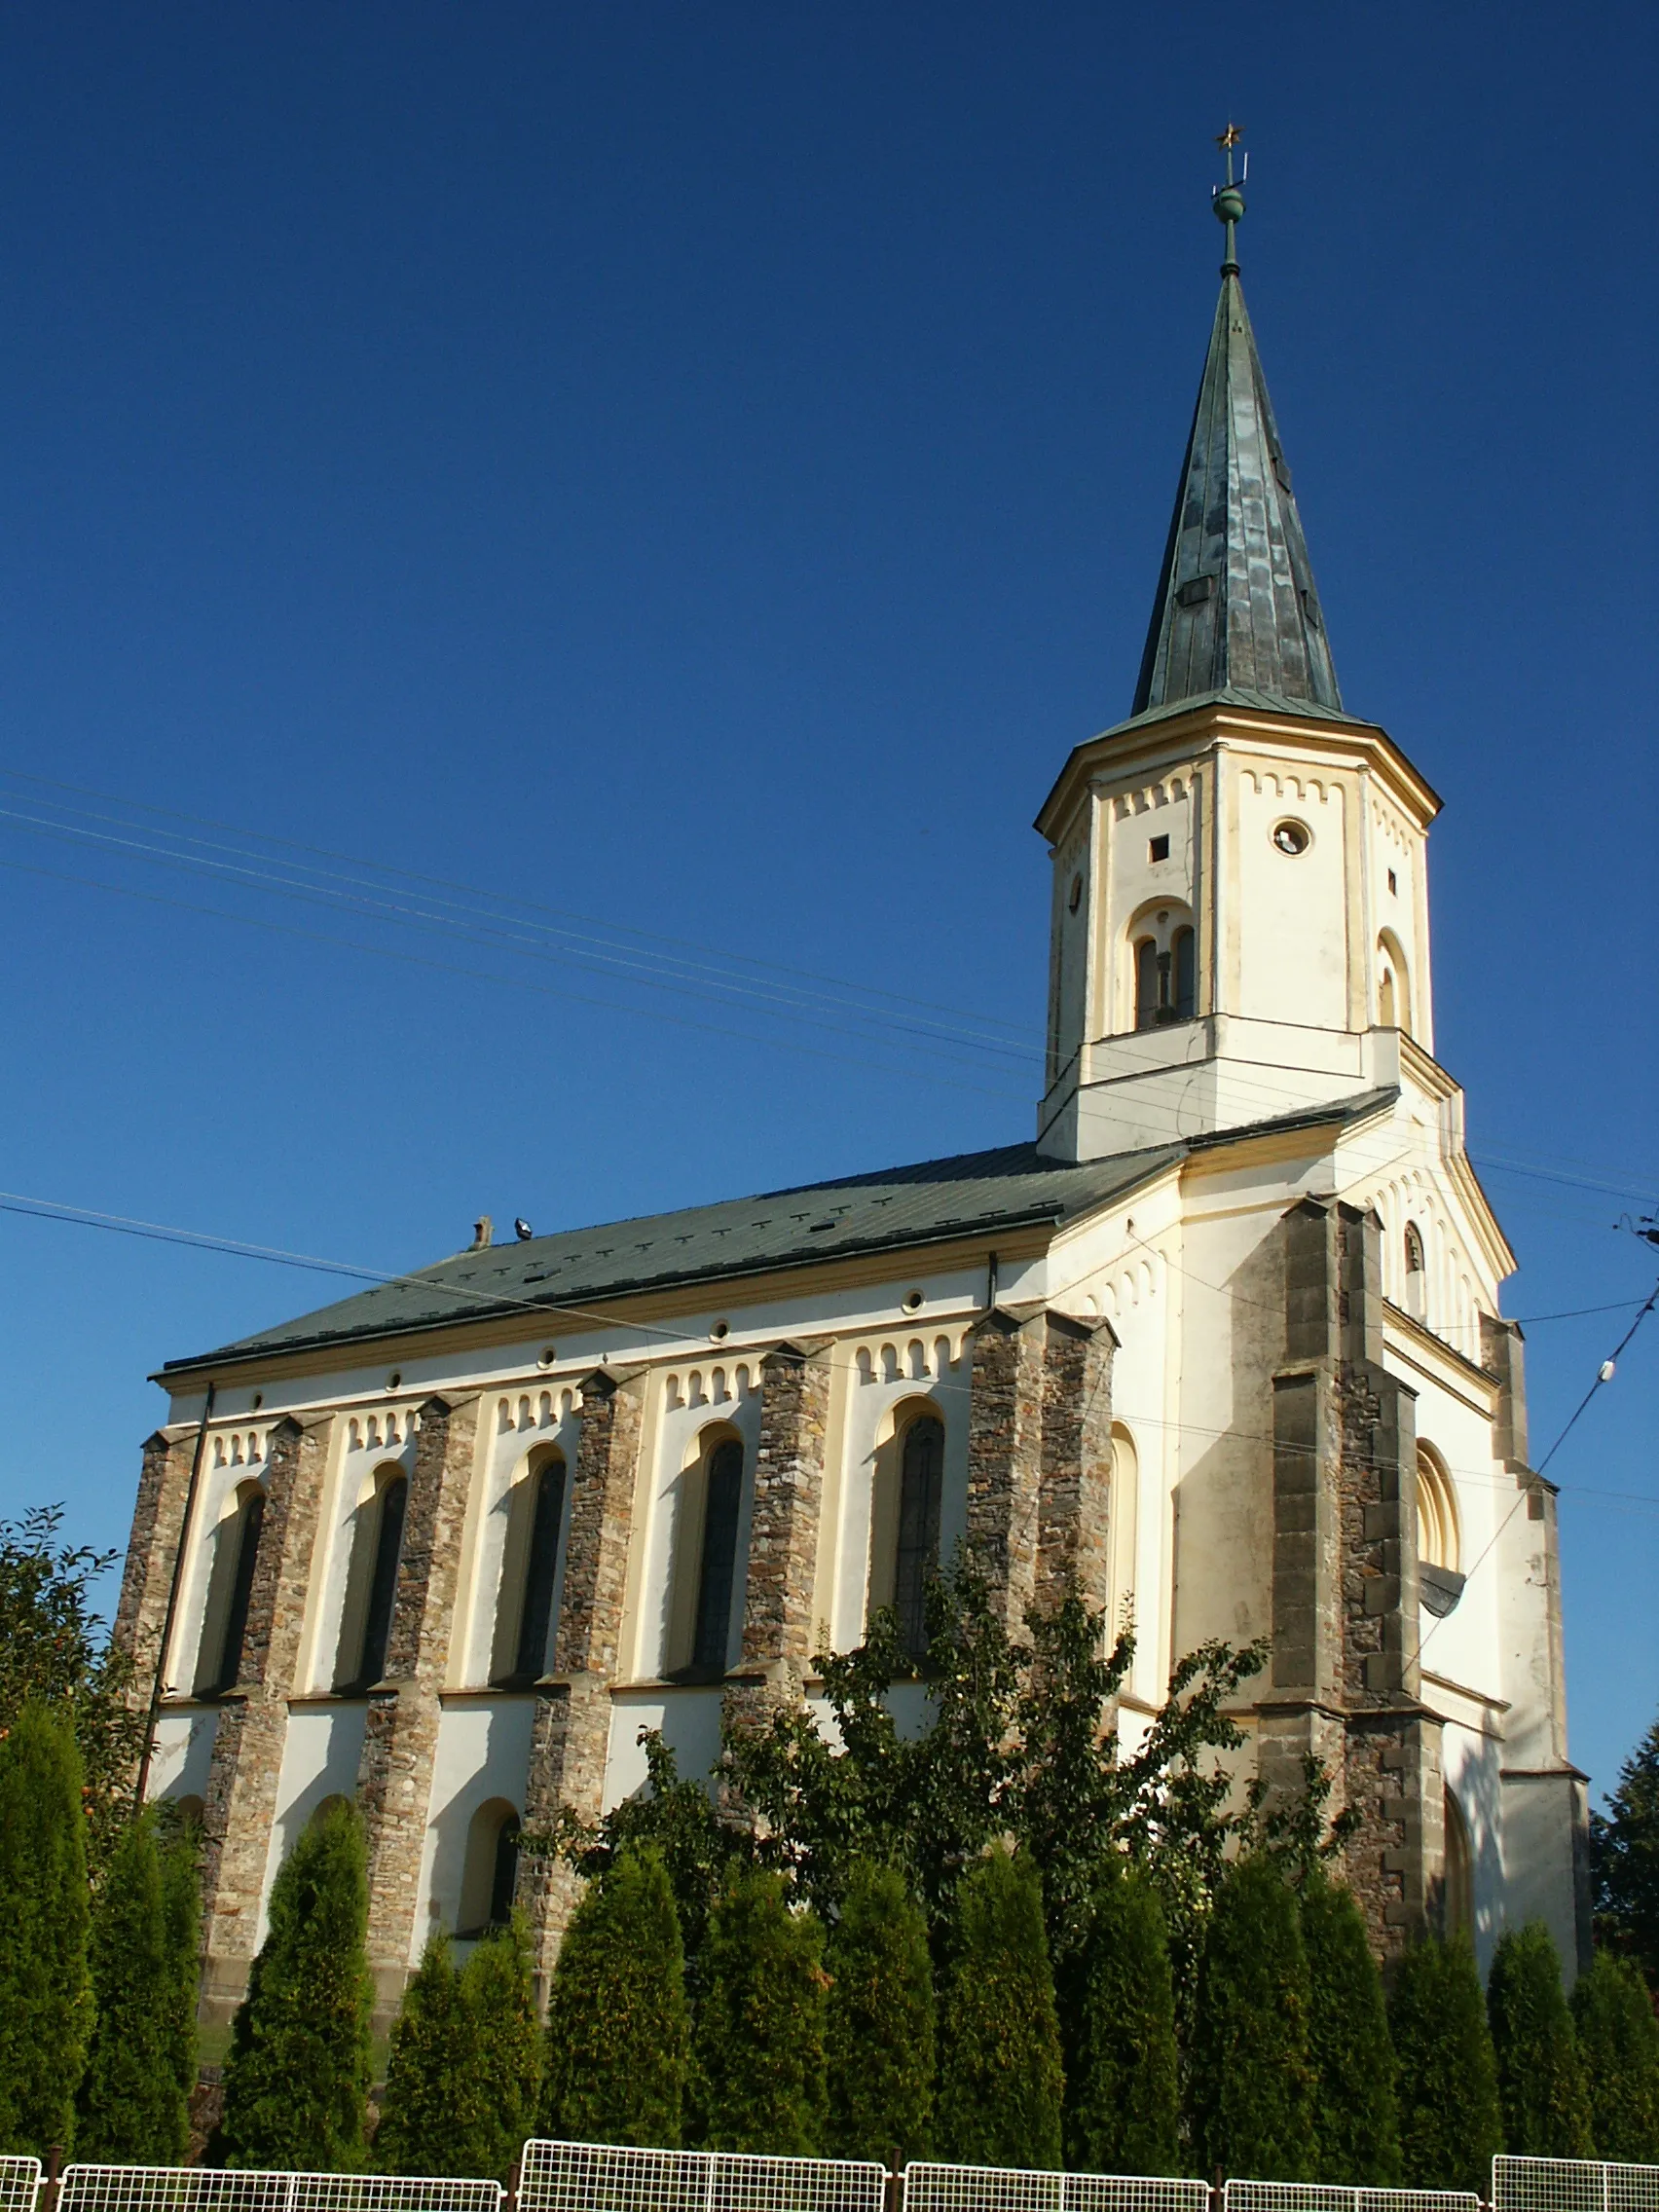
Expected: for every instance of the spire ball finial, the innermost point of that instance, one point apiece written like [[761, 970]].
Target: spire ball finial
[[1228, 199], [1230, 204]]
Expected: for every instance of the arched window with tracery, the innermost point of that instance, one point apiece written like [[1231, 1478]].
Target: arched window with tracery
[[371, 1587], [1416, 1273], [1166, 967], [530, 1571], [230, 1593]]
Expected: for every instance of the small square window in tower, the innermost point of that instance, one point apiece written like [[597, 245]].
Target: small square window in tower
[[1157, 848]]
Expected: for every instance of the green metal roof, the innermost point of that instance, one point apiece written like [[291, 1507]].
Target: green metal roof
[[1237, 603], [974, 1193]]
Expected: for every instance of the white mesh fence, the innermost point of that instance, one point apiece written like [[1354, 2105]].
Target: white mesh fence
[[1312, 2196], [204, 2189], [19, 2179], [1572, 2184], [597, 2177], [1005, 2189]]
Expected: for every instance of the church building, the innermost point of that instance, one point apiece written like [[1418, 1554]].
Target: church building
[[1221, 1344]]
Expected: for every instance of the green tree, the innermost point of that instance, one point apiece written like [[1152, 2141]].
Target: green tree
[[297, 2079], [879, 2036], [1123, 2076], [1623, 1861], [1451, 2124], [618, 2027], [181, 1916], [46, 2002], [54, 1653], [133, 2108], [1251, 2073], [1540, 2082], [1356, 2132], [758, 2070], [427, 2108], [1000, 2075], [1618, 2042], [498, 1991]]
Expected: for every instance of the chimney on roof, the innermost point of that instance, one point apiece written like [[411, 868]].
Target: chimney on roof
[[483, 1229]]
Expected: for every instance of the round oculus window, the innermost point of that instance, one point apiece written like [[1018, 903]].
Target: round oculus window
[[1292, 837]]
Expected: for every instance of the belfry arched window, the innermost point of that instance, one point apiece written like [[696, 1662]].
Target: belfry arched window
[[921, 1495], [1393, 985], [530, 1571], [1416, 1275], [1166, 965], [230, 1593], [371, 1590]]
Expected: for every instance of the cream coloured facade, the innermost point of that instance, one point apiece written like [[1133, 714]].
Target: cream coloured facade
[[1222, 1347]]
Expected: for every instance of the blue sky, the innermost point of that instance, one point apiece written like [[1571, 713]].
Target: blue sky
[[702, 469]]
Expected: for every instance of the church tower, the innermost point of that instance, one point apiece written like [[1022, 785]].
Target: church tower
[[1241, 915]]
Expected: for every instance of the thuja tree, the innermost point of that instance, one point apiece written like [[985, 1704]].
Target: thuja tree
[[879, 2035], [618, 2029], [1618, 2042], [54, 1651], [1251, 2080], [1000, 2073], [427, 2110], [1451, 2127], [297, 2079], [181, 1918], [1623, 1861], [1118, 2025], [1540, 2082], [46, 2004], [132, 2107], [498, 1991], [1357, 2135], [759, 2074]]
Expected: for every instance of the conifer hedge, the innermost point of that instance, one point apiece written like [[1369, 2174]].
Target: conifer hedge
[[181, 1916], [1618, 2042], [1540, 2082], [426, 2111], [618, 2030], [1122, 2075], [1000, 2073], [133, 2106], [1251, 2072], [301, 2060], [1356, 2133], [498, 1992], [760, 2076], [1445, 2071], [879, 2036], [46, 2000]]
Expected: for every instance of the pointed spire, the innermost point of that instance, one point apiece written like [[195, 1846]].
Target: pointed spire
[[1236, 605]]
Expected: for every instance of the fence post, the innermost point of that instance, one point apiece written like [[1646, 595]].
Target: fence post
[[893, 2188], [1218, 2192], [509, 2201], [53, 2178]]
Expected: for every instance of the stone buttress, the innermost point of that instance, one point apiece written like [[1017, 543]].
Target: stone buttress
[[780, 1633]]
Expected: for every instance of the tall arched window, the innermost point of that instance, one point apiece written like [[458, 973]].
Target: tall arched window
[[1416, 1277], [230, 1591], [530, 1573], [1437, 1512], [490, 1871], [371, 1591], [921, 1492], [716, 1569]]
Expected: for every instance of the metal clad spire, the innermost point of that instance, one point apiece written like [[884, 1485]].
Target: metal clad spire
[[1236, 603]]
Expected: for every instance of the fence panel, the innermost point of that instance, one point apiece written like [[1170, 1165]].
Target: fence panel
[[19, 2182], [1315, 2196], [1572, 2184], [601, 2176], [1007, 2189], [206, 2189]]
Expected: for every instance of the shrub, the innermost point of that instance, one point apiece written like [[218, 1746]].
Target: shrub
[[131, 2106], [619, 2031], [1251, 2073], [1122, 2093], [46, 2002], [297, 2079], [879, 2036], [760, 2040], [1618, 2044], [1540, 2083], [1445, 2071], [1356, 2131], [1000, 2076]]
